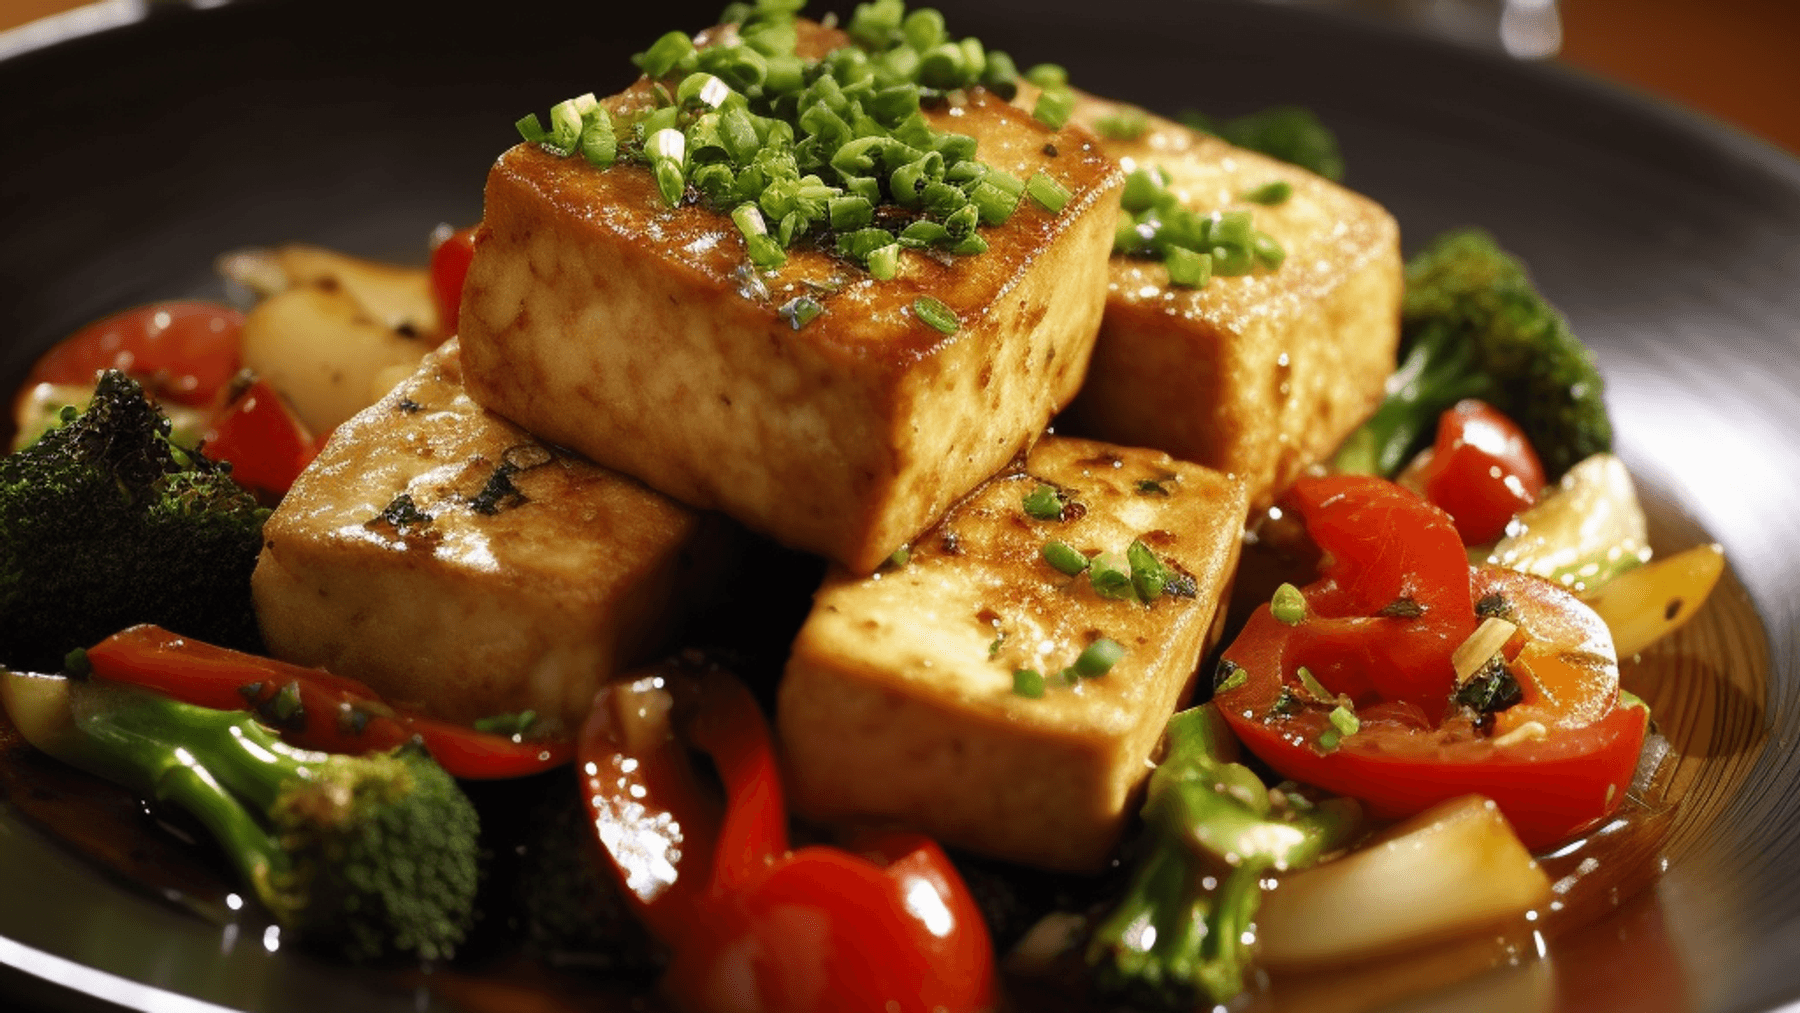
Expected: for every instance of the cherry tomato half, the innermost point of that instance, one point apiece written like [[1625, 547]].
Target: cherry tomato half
[[184, 351], [1556, 762], [266, 444], [1482, 470]]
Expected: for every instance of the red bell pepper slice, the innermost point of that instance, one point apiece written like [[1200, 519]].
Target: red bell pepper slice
[[310, 707], [267, 445], [449, 269], [751, 925]]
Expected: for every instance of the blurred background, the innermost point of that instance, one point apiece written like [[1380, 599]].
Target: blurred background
[[1734, 60]]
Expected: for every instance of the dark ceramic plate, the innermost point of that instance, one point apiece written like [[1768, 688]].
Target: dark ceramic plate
[[135, 154]]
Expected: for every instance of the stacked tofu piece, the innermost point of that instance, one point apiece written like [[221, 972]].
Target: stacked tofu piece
[[603, 329]]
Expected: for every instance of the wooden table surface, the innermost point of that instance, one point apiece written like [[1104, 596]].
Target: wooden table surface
[[1736, 60]]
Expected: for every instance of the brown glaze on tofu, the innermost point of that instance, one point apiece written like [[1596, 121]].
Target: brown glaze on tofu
[[513, 576], [898, 700], [597, 317], [1263, 374]]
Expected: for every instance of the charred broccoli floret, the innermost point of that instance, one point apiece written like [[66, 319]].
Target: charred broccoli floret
[[367, 855], [1472, 325], [1211, 832], [104, 522]]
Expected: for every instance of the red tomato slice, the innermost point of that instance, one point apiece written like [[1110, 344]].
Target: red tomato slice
[[449, 268], [1556, 762], [184, 351], [1482, 470], [266, 444]]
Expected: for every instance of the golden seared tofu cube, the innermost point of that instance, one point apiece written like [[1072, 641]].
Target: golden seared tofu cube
[[457, 563], [1260, 374], [600, 318], [904, 698]]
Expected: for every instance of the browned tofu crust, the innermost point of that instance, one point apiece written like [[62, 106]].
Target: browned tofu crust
[[1263, 374], [599, 318], [521, 577], [898, 700]]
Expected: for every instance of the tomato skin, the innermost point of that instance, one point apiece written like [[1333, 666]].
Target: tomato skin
[[183, 351], [1407, 754], [887, 925], [449, 269], [266, 444], [1482, 470]]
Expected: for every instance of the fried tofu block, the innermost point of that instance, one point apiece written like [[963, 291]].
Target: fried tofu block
[[600, 318], [458, 564], [1259, 375], [898, 701]]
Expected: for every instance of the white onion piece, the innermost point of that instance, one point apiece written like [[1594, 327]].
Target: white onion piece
[[1454, 868]]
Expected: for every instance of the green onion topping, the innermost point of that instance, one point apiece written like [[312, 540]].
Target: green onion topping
[[1313, 687], [935, 314], [1044, 503], [1288, 605], [1345, 721], [1194, 247], [1110, 574], [1064, 557], [1148, 574], [1028, 682], [1274, 192], [1098, 658]]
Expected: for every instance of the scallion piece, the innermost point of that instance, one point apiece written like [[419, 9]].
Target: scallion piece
[[1043, 188], [884, 262], [935, 314], [851, 212], [1313, 687], [1345, 721], [1288, 605], [1110, 575], [1187, 268], [1274, 192], [531, 129], [1053, 107], [1043, 503], [1098, 658], [1148, 574], [1126, 124], [899, 557], [1064, 558], [800, 311], [1048, 75], [665, 54], [1028, 682], [1268, 252], [599, 145]]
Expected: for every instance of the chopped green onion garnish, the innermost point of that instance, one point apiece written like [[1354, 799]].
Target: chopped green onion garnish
[[1268, 252], [900, 556], [598, 143], [1328, 740], [1044, 189], [1148, 574], [884, 261], [1127, 124], [1271, 193], [1048, 75], [1345, 721], [1110, 574], [935, 314], [1288, 605], [665, 54], [1187, 268], [1044, 503], [1064, 558], [507, 724], [1229, 676], [1053, 107], [1028, 682], [800, 311], [1099, 658], [531, 129]]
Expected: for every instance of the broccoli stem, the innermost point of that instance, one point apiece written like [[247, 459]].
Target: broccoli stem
[[1212, 832], [1434, 375]]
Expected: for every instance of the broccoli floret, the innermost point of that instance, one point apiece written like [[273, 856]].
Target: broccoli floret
[[367, 855], [1290, 133], [1472, 325], [1211, 832], [104, 522]]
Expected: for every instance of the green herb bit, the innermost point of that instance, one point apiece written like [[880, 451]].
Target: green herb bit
[[1345, 721], [1064, 558], [1043, 188], [995, 645], [1491, 689], [1048, 75], [1269, 253], [1069, 676], [671, 52], [599, 144], [935, 314], [1188, 269], [1044, 503], [1153, 486], [1148, 574], [1028, 682], [531, 129], [1229, 676], [884, 262], [1328, 740], [1110, 575], [1313, 687], [1053, 107], [1288, 605], [1127, 124], [1274, 192], [800, 311], [507, 724], [899, 558], [1098, 658]]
